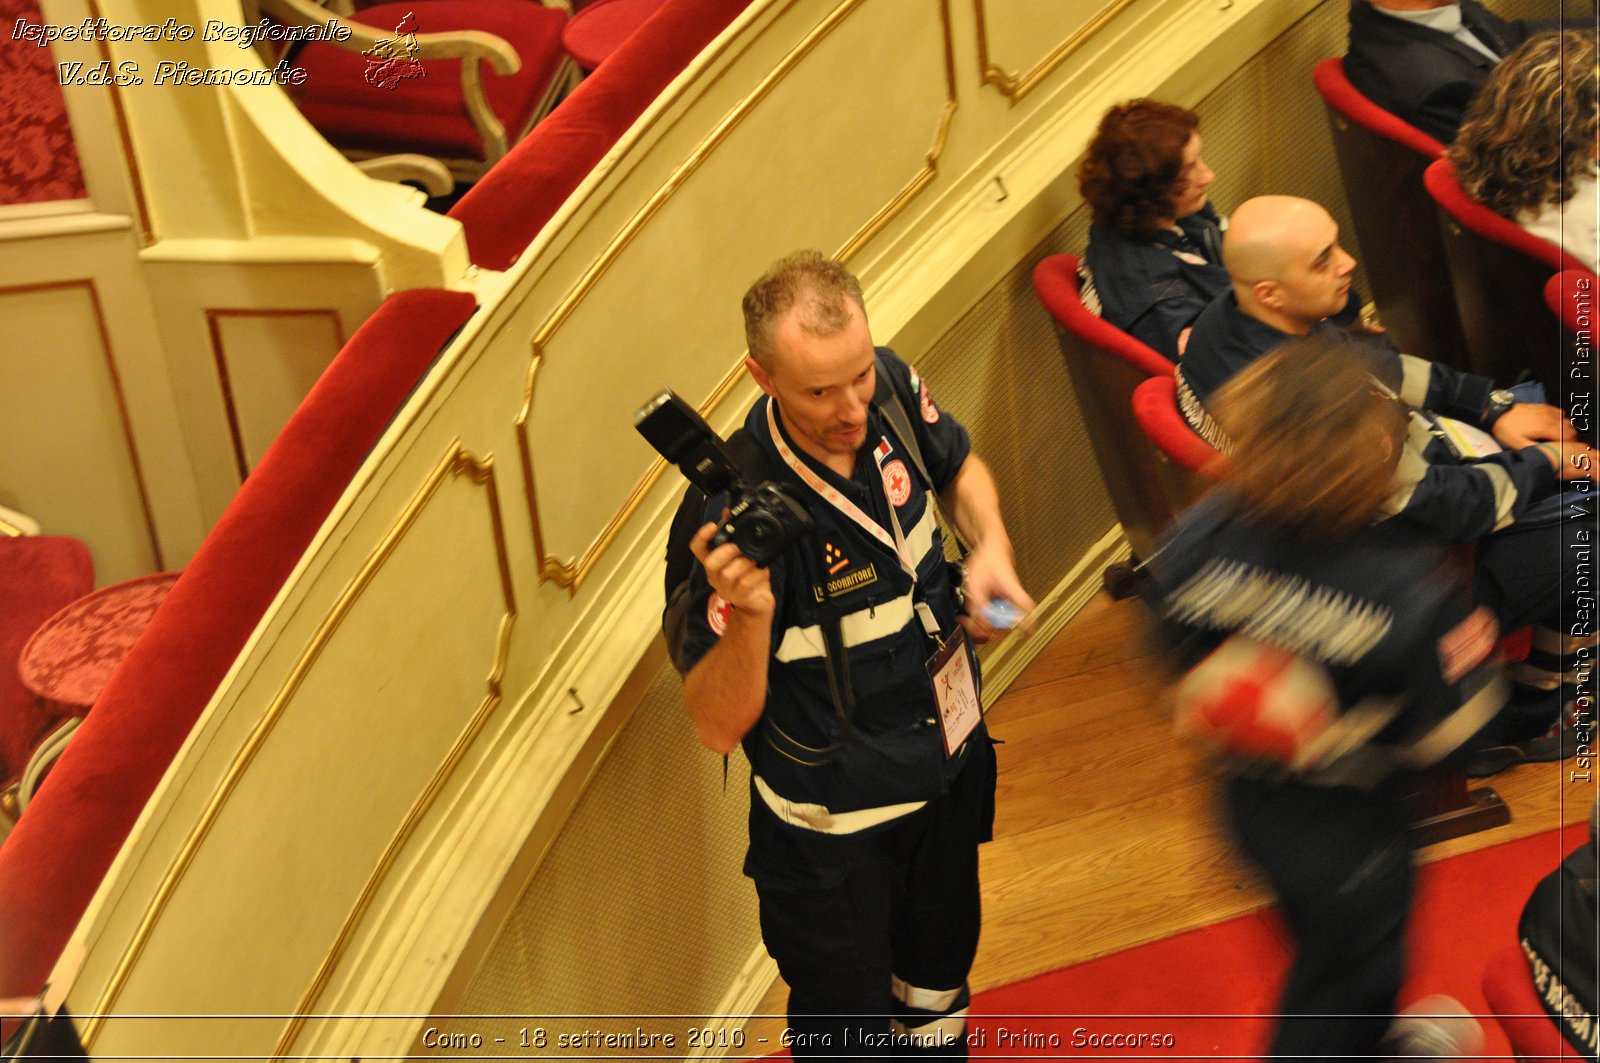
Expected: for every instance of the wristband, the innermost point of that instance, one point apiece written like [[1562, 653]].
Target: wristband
[[1555, 450]]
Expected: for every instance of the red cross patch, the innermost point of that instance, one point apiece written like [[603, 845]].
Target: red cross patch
[[717, 610], [897, 482], [930, 412]]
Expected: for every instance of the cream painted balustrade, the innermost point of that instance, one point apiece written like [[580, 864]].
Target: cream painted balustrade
[[163, 329], [449, 776]]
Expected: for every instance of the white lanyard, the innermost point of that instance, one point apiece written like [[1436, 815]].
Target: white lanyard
[[838, 501]]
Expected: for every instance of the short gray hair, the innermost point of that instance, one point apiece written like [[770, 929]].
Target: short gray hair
[[809, 280]]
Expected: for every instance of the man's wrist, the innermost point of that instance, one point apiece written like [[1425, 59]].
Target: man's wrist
[[1552, 452], [745, 616]]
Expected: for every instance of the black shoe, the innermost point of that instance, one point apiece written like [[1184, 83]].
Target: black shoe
[[1554, 745], [1557, 745], [1491, 760]]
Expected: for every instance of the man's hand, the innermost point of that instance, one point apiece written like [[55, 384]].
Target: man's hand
[[1528, 423], [727, 690], [740, 581], [992, 574]]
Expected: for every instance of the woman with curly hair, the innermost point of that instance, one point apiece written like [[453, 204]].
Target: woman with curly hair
[[1528, 146], [1155, 247]]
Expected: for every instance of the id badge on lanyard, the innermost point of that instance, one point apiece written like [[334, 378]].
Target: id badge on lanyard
[[955, 688]]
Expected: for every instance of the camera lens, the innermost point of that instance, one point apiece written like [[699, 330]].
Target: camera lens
[[757, 533]]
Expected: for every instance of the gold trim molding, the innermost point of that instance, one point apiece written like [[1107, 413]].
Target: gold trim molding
[[570, 574], [104, 331], [1013, 87], [457, 461], [214, 316]]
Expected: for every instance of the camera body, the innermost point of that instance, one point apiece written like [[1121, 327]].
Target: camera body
[[763, 517], [762, 521]]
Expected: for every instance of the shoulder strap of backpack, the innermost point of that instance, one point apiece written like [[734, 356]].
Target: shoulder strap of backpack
[[890, 408]]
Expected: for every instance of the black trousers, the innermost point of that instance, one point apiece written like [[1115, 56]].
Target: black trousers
[[1339, 861], [877, 959]]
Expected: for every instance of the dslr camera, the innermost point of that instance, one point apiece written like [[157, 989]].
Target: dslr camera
[[763, 517]]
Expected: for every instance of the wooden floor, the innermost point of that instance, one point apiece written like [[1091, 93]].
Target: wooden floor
[[1106, 836]]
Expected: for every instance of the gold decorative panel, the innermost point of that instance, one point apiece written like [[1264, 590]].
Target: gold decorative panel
[[60, 357], [1012, 27], [1265, 129], [323, 812], [775, 145], [267, 360], [640, 910]]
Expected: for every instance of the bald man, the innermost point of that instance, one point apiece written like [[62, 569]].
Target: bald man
[[1289, 274]]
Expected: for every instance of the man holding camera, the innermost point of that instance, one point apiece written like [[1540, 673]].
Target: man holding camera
[[845, 671]]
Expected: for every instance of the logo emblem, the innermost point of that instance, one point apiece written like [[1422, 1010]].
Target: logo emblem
[[834, 558], [393, 59], [717, 610], [930, 412], [897, 483]]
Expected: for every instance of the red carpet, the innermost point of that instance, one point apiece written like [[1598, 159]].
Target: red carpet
[[1209, 992]]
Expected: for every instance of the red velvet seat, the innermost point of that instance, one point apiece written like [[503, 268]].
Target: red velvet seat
[[1190, 462], [1381, 159], [602, 27], [1106, 364], [428, 115], [1499, 271], [1508, 987], [502, 213]]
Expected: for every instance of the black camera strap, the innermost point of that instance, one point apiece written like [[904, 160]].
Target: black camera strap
[[754, 458], [889, 407]]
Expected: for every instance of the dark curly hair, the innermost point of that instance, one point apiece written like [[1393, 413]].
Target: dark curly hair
[[1530, 131], [1133, 165]]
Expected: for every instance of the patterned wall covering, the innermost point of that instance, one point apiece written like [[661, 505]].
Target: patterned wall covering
[[38, 160]]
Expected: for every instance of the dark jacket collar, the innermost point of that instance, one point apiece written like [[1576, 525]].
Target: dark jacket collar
[[1366, 21]]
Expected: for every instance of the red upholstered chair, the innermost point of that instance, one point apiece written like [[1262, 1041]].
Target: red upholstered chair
[[1508, 987], [1498, 271], [1188, 462], [1570, 296], [1381, 159], [1106, 364], [410, 81]]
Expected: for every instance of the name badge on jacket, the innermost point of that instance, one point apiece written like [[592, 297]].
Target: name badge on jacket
[[956, 690]]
